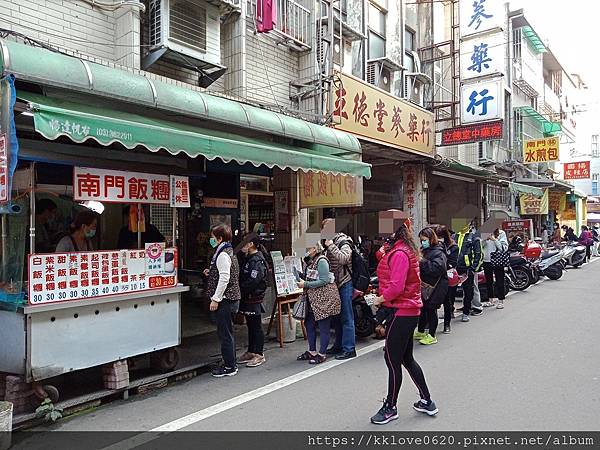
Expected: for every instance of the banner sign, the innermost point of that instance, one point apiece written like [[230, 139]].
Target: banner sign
[[318, 189], [4, 187], [540, 150], [59, 277], [577, 170], [533, 205], [473, 133], [113, 186], [366, 111], [557, 201]]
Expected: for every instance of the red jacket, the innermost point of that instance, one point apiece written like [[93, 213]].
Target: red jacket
[[399, 280]]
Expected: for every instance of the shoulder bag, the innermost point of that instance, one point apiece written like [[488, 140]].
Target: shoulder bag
[[299, 310]]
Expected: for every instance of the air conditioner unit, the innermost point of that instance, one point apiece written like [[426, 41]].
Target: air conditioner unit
[[487, 154], [379, 75], [186, 33], [413, 90]]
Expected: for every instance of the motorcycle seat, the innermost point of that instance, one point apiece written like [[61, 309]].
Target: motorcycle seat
[[550, 254]]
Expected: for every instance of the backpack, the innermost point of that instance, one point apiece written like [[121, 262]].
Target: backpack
[[360, 268]]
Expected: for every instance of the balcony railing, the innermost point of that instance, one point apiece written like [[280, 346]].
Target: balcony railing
[[294, 23], [551, 99]]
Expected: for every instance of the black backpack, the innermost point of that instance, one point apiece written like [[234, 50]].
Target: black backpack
[[360, 268]]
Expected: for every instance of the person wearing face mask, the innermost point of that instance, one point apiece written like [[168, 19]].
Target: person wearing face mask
[[445, 235], [556, 236], [434, 279], [83, 229], [223, 288], [323, 303], [253, 284]]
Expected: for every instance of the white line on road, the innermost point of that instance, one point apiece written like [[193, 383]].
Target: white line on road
[[203, 414]]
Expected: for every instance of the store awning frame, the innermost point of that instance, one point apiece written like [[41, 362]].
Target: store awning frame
[[519, 188], [58, 70], [533, 38], [549, 128], [54, 118]]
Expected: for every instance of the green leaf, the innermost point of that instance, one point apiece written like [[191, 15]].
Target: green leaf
[[55, 415]]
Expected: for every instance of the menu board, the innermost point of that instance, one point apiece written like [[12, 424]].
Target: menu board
[[285, 280], [59, 277]]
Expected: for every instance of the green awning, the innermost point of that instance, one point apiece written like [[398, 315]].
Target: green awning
[[54, 69], [468, 169], [54, 118], [548, 128], [518, 188], [533, 39]]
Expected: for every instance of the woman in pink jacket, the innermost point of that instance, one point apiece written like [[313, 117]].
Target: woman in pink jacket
[[400, 288]]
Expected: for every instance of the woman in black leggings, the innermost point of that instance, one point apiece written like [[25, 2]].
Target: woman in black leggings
[[445, 235], [400, 288]]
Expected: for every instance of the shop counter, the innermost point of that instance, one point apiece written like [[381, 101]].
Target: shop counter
[[43, 341]]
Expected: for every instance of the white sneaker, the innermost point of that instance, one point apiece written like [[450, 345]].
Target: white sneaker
[[500, 304]]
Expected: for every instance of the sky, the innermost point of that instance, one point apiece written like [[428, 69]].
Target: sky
[[570, 28]]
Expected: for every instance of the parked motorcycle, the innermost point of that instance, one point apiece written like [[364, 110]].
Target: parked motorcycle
[[519, 272], [362, 306], [574, 254], [550, 264]]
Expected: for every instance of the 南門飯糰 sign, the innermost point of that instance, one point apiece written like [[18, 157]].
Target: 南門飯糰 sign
[[365, 111], [318, 189], [129, 187]]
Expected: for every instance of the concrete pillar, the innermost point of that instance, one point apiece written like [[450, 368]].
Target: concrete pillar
[[127, 37], [234, 55]]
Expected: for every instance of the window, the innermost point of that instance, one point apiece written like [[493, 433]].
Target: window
[[377, 20], [498, 195], [594, 184], [595, 150], [410, 46]]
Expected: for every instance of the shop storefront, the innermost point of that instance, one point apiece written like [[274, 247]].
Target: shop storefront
[[158, 165], [397, 138]]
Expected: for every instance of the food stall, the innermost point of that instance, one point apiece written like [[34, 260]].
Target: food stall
[[77, 310]]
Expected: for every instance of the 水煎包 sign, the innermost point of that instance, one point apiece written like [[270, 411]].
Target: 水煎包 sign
[[577, 170], [370, 113], [129, 187], [473, 133], [318, 189], [479, 16], [540, 150], [534, 205], [59, 277], [482, 101]]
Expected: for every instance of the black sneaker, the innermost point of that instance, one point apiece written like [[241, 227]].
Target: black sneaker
[[385, 415], [333, 351], [223, 371], [476, 312], [447, 329], [346, 355], [427, 407]]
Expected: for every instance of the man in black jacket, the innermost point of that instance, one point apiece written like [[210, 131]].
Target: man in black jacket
[[470, 258]]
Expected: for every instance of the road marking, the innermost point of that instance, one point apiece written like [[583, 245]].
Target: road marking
[[218, 408]]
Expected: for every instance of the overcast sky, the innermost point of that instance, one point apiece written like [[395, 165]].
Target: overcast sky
[[572, 29]]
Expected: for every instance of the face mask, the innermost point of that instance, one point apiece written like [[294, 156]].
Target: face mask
[[90, 234], [425, 244], [213, 242]]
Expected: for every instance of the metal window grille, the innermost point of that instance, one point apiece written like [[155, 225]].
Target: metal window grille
[[161, 216]]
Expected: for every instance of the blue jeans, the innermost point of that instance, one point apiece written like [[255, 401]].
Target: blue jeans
[[311, 326], [345, 337]]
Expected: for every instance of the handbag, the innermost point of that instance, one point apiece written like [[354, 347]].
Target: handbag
[[299, 310], [453, 277], [500, 258], [428, 289], [324, 301]]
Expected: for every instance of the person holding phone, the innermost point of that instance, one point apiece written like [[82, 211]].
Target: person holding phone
[[400, 289]]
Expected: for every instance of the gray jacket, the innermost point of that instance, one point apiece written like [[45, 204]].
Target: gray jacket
[[340, 259]]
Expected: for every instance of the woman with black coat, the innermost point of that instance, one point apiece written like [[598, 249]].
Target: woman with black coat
[[434, 284], [445, 236], [253, 284]]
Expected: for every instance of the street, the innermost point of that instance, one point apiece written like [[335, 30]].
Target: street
[[531, 366]]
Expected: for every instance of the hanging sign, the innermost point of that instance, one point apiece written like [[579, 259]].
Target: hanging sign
[[128, 187], [473, 133], [366, 111], [482, 101], [533, 205], [180, 192], [577, 170], [318, 190], [482, 56], [540, 150], [478, 16], [4, 187], [59, 277]]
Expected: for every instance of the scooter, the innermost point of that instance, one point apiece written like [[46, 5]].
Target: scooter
[[519, 272], [574, 254], [362, 307], [550, 264]]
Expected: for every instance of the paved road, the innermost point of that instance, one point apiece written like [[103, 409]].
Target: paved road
[[532, 366]]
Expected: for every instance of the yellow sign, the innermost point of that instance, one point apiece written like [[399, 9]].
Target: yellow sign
[[368, 112], [533, 205], [540, 150], [318, 190], [557, 201]]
